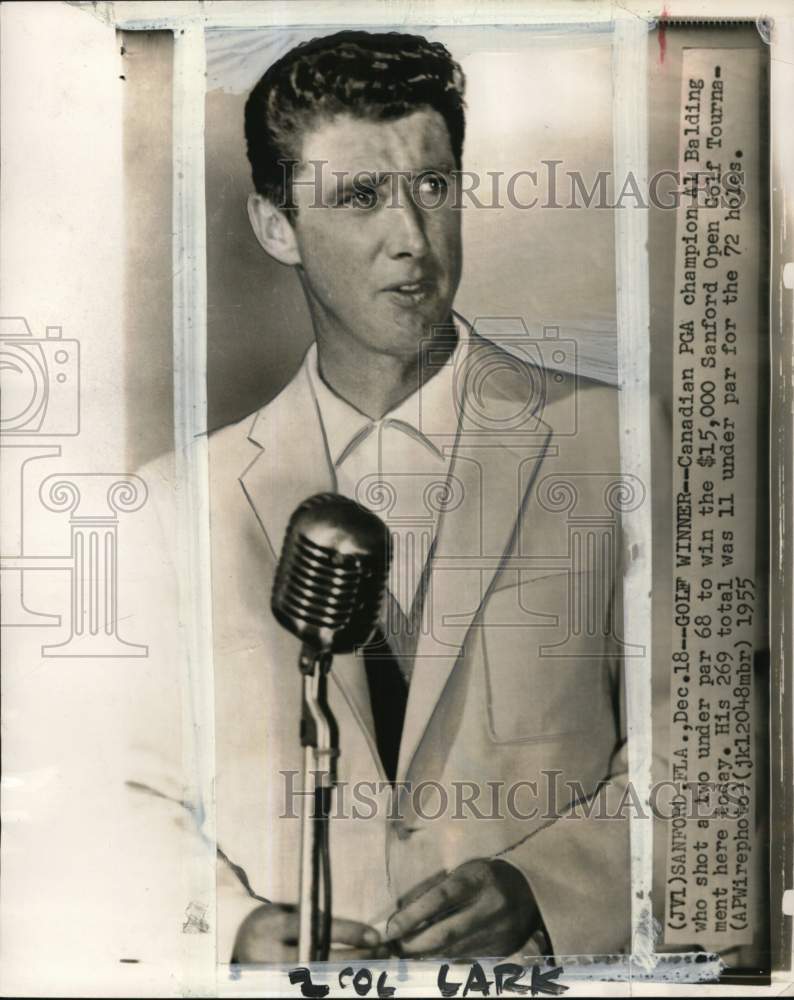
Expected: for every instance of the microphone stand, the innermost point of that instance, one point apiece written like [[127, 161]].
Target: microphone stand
[[320, 741]]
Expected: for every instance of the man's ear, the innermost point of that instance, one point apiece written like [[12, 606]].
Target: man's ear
[[273, 230]]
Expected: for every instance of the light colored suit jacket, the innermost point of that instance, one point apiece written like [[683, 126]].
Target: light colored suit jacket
[[515, 699], [515, 672]]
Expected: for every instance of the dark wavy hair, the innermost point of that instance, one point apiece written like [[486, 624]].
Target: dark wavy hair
[[374, 76]]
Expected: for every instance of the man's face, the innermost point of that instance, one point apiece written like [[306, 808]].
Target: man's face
[[381, 258]]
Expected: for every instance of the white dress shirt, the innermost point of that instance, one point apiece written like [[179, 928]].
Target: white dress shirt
[[397, 466]]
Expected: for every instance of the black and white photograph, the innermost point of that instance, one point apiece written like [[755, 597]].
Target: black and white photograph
[[397, 456]]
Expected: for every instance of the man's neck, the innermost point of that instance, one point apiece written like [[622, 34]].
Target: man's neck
[[374, 382]]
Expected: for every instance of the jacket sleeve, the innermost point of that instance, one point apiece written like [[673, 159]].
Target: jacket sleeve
[[578, 870]]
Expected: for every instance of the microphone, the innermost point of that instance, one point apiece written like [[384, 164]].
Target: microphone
[[327, 591], [332, 573]]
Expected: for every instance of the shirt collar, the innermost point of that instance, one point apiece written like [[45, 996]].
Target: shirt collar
[[428, 415]]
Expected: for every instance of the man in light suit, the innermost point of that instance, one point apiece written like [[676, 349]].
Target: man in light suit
[[497, 479]]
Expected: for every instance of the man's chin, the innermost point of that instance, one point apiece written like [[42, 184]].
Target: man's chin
[[409, 329]]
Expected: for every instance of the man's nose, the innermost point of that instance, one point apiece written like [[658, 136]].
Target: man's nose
[[405, 219]]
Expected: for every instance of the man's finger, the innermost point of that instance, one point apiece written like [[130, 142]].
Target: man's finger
[[421, 888], [350, 933], [449, 936], [353, 933], [454, 892]]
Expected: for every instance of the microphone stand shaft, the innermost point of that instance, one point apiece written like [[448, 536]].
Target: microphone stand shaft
[[309, 868], [318, 736]]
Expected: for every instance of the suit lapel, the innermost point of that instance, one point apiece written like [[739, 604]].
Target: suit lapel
[[491, 475], [294, 464]]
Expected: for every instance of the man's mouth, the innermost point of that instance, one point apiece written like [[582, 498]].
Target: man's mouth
[[410, 292]]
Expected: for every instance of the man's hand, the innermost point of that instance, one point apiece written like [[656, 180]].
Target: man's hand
[[270, 934], [483, 908]]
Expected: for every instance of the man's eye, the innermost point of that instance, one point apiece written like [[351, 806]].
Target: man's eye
[[360, 197], [432, 184]]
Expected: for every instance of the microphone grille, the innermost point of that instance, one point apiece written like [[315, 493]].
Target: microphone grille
[[332, 573]]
